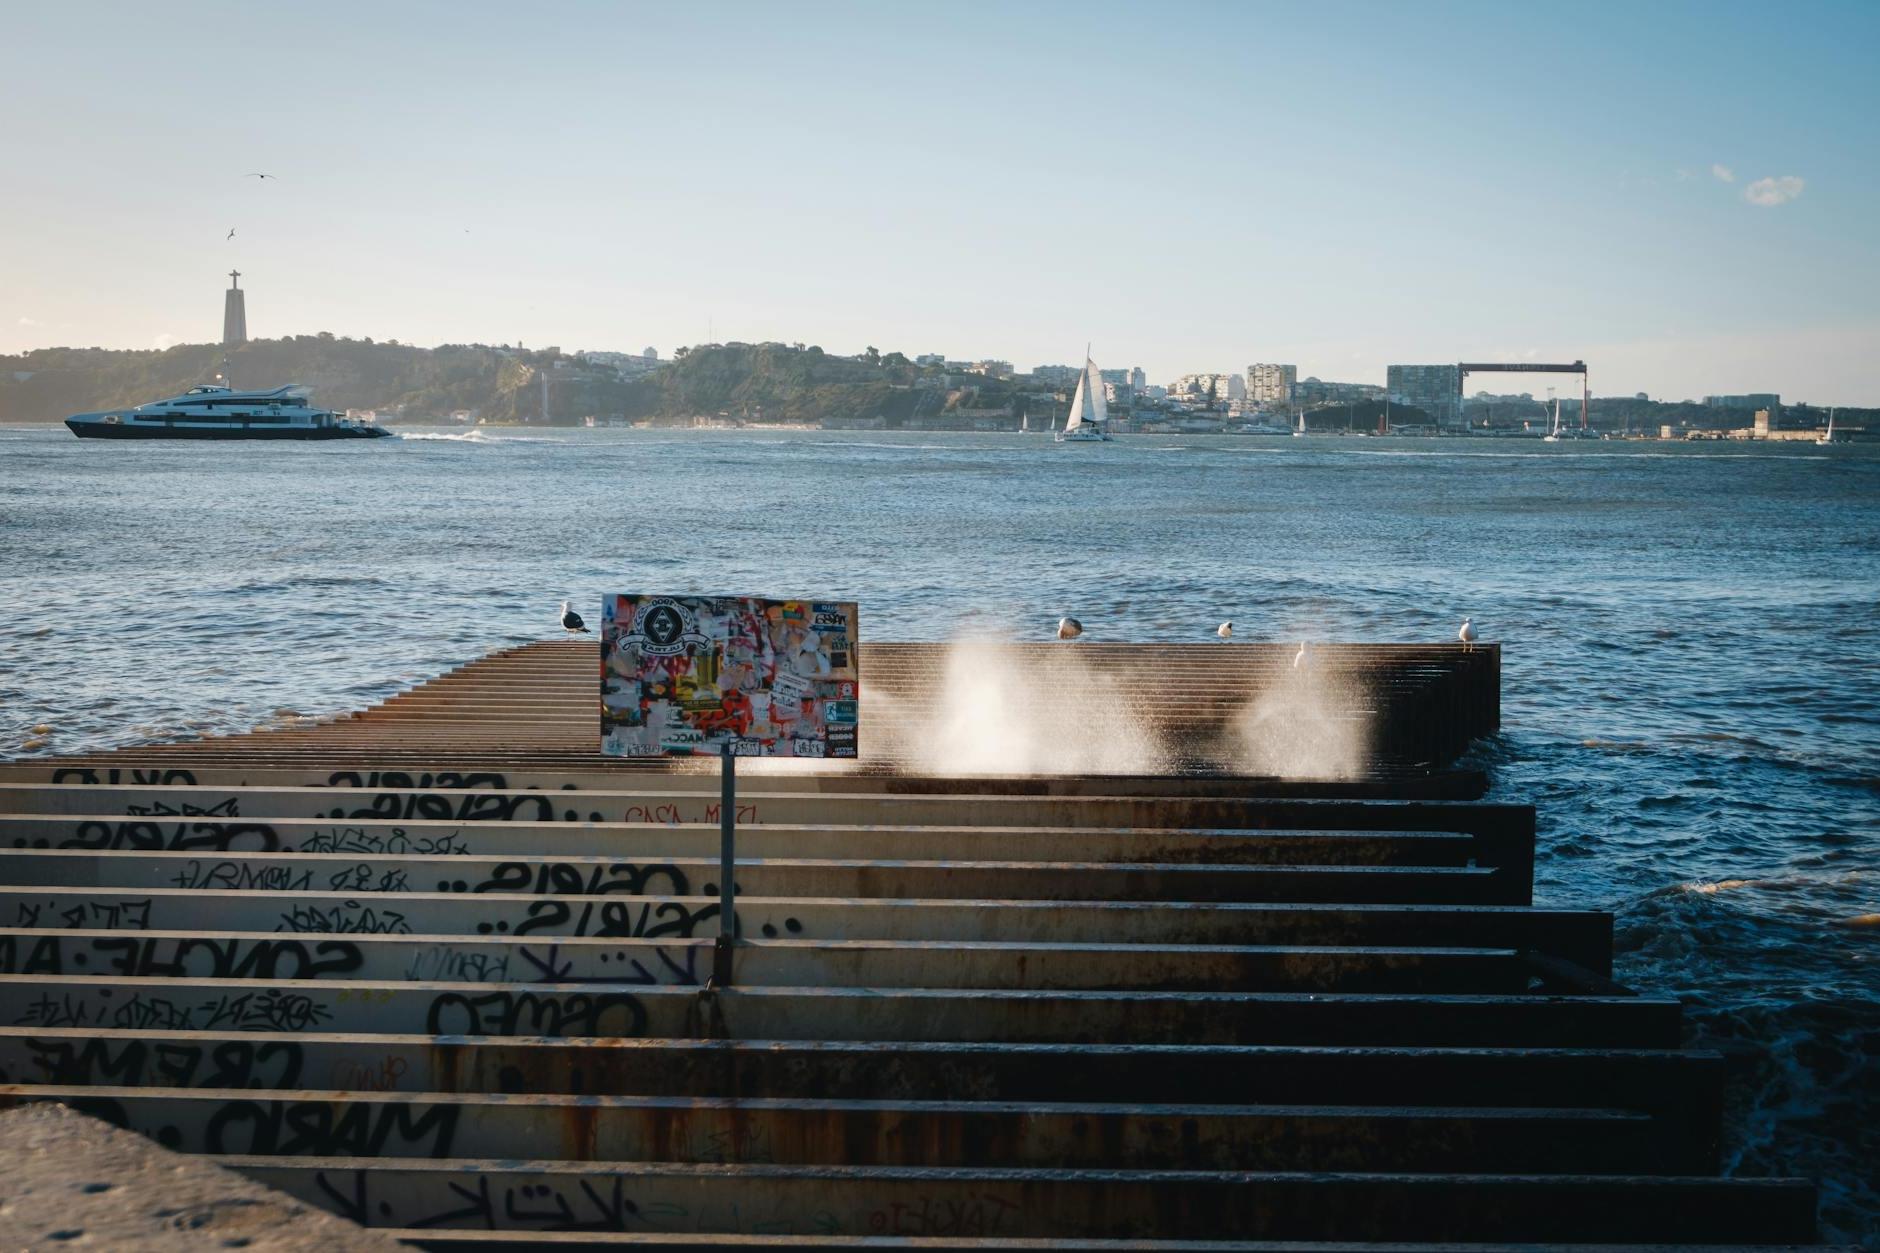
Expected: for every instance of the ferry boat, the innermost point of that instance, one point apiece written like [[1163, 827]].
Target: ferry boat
[[218, 411]]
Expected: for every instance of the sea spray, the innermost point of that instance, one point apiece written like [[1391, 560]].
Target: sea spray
[[996, 710], [1310, 722]]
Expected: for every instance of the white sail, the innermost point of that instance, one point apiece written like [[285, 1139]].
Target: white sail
[[1079, 403], [1099, 405]]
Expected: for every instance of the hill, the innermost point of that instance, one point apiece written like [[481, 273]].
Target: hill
[[761, 382]]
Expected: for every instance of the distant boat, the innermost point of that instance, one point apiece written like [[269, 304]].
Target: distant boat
[[1300, 430], [1553, 436], [218, 411], [1827, 439], [1090, 412]]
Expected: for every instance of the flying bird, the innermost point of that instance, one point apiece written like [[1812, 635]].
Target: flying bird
[[231, 234], [571, 621], [1467, 634], [1225, 630], [1069, 628], [252, 174]]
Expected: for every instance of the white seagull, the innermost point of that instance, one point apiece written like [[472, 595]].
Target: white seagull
[[1299, 658], [571, 621], [1467, 634], [1225, 630], [1069, 628]]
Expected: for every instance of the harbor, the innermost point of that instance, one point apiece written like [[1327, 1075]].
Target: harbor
[[442, 969]]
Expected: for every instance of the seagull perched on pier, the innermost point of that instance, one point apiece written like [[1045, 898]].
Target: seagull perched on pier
[[1069, 628], [1225, 630], [1466, 634], [571, 621]]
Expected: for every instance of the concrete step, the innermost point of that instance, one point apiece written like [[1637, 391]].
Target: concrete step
[[759, 806], [1002, 1204], [931, 880], [795, 1131], [1583, 937], [1678, 1082], [762, 962], [652, 840], [621, 1009], [460, 1241], [229, 764]]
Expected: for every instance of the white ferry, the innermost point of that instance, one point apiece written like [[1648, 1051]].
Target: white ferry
[[217, 411]]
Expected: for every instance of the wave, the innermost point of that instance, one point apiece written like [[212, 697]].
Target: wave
[[479, 437]]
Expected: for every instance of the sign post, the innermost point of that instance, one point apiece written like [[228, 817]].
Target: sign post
[[727, 862], [728, 676]]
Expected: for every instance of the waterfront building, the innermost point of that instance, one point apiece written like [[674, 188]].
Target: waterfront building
[[1224, 387], [1271, 384], [1316, 391], [1749, 400], [1435, 389], [1056, 375], [234, 312]]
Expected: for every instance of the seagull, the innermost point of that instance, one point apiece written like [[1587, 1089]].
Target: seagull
[[1069, 628], [231, 234], [252, 174], [1299, 658], [1466, 635], [571, 621], [1225, 630]]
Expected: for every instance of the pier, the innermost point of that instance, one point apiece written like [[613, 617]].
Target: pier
[[440, 968]]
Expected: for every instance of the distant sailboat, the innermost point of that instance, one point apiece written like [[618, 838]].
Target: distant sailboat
[[1300, 430], [1090, 412], [1553, 436], [1827, 439]]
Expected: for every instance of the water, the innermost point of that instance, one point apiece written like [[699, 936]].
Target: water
[[1691, 683]]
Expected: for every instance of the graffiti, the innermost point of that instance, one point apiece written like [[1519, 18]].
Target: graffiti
[[384, 1075], [450, 965], [185, 957], [599, 1203], [115, 777], [137, 1012], [395, 842], [242, 877], [103, 915], [345, 918], [672, 815], [399, 780], [269, 1010], [527, 1013], [550, 966], [463, 807], [181, 837], [331, 1128], [224, 808], [363, 878], [616, 919], [560, 878], [135, 1063], [979, 1214]]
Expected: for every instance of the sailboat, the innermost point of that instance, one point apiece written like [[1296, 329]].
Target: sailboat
[[1825, 440], [1553, 436], [1300, 430], [1090, 412]]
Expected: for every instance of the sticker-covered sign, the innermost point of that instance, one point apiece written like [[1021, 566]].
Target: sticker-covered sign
[[692, 674]]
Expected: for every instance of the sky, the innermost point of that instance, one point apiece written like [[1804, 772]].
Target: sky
[[1683, 195]]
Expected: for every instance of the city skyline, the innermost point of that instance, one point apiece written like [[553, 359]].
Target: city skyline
[[1342, 188]]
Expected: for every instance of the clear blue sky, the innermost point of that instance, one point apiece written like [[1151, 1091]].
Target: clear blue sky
[[1189, 187]]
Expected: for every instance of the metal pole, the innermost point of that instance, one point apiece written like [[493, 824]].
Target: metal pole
[[727, 862]]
